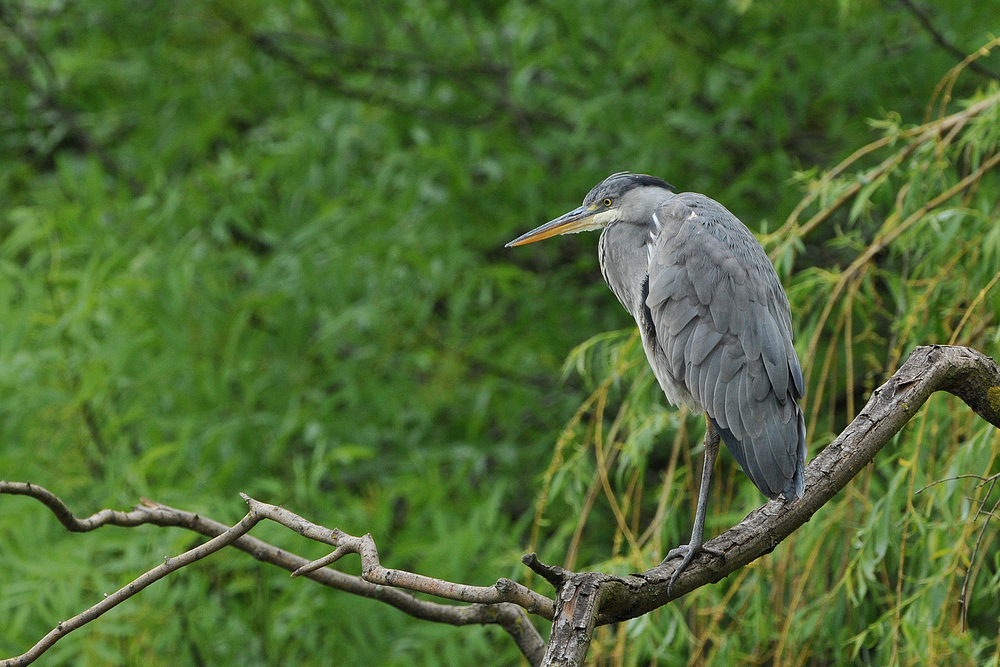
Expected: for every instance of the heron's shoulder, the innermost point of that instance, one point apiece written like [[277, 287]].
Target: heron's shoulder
[[691, 224], [702, 242], [698, 210], [692, 200]]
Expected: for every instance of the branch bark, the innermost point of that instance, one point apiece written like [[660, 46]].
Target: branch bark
[[505, 590]]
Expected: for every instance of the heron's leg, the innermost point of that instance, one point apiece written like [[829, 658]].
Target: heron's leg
[[690, 550]]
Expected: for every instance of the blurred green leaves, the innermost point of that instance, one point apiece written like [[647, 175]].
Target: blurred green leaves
[[257, 247]]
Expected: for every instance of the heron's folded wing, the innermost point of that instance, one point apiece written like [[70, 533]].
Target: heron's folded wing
[[722, 322]]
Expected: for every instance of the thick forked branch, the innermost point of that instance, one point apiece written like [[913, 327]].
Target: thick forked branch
[[588, 599], [505, 590]]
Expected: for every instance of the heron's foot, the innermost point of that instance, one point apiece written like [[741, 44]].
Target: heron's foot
[[686, 552]]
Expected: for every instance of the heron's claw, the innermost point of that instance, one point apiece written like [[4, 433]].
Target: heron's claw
[[688, 552]]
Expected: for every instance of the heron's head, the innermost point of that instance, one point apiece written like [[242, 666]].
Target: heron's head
[[622, 197]]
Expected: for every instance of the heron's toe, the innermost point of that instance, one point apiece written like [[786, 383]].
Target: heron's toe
[[686, 552]]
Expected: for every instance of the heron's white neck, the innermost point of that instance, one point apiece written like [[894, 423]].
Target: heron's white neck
[[624, 262]]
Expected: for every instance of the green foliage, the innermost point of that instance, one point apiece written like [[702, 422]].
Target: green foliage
[[256, 246]]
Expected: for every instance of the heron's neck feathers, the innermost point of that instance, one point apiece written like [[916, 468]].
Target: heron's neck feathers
[[625, 263]]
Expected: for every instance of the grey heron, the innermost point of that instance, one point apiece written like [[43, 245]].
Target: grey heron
[[714, 321]]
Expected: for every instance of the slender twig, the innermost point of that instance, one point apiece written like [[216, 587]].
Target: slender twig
[[982, 480], [109, 602], [511, 617], [963, 601], [972, 307], [383, 60]]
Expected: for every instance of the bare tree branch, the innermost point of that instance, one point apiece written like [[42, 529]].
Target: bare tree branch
[[505, 590], [588, 599], [110, 601], [507, 615]]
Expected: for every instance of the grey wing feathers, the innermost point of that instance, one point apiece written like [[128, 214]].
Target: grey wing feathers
[[723, 331]]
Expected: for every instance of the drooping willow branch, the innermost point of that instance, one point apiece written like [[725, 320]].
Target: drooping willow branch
[[942, 129]]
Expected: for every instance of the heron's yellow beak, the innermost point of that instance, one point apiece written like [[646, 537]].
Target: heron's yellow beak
[[582, 219]]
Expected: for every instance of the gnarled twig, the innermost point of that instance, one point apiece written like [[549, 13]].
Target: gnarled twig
[[373, 572], [507, 615]]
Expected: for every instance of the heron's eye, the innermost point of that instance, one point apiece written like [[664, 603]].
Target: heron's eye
[[607, 202]]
